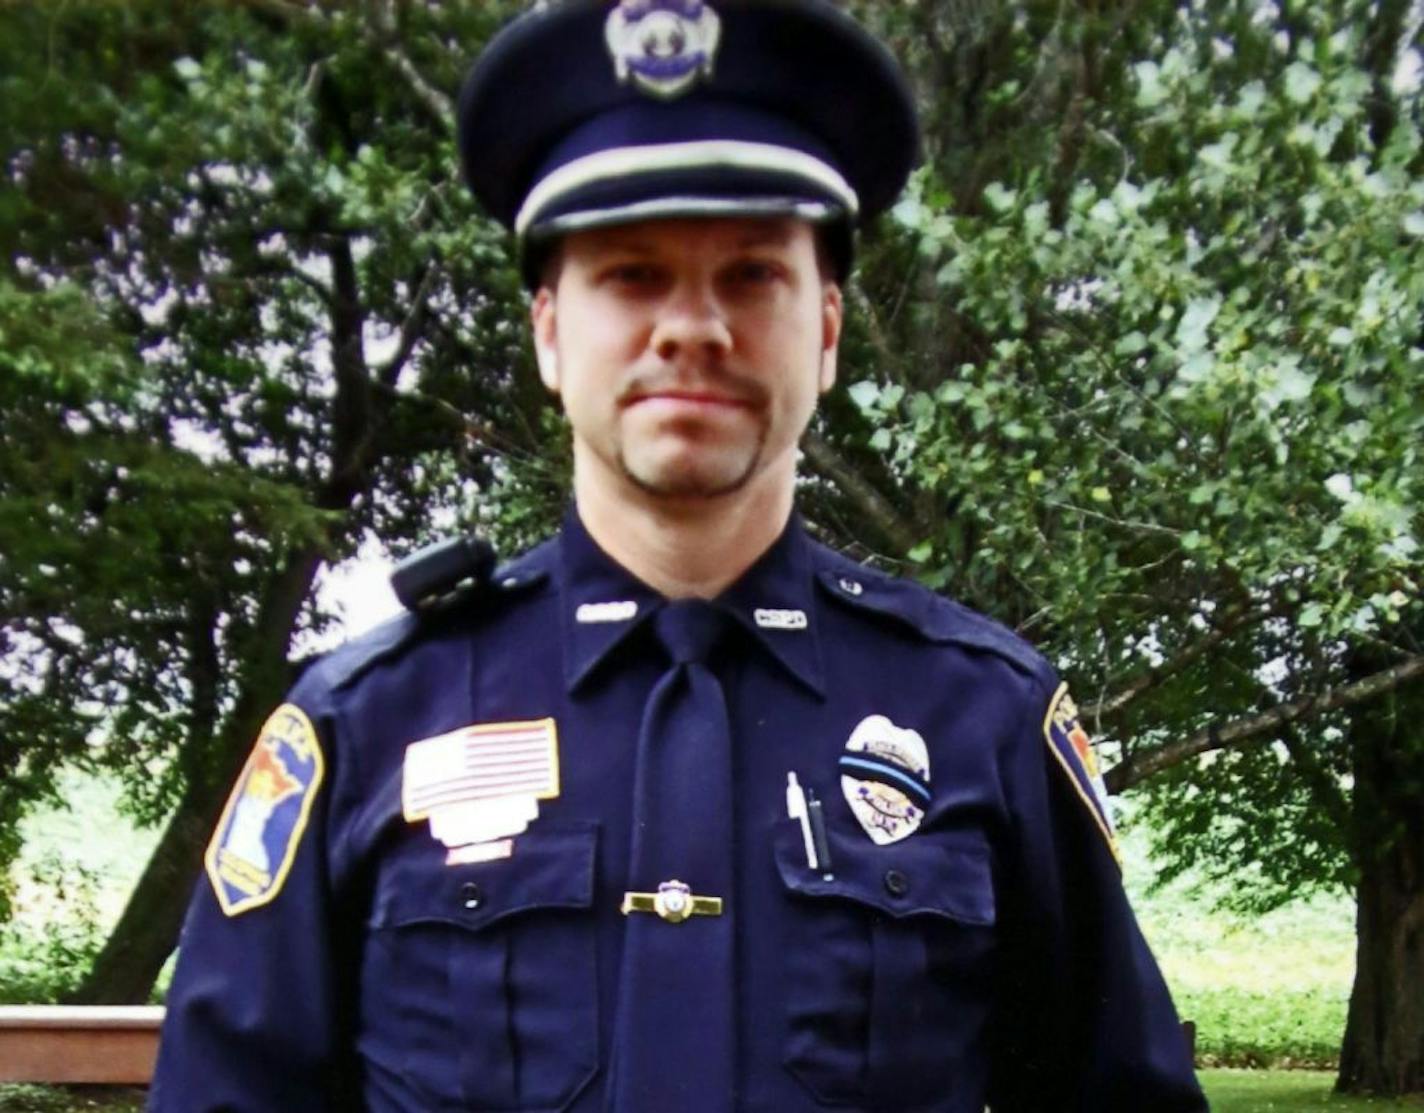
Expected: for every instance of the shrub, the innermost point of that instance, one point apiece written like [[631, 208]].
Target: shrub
[[41, 962], [1239, 1028]]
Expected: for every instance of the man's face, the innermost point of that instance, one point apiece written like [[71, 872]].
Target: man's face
[[689, 354]]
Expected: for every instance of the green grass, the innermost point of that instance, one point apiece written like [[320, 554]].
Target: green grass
[[71, 1099], [1247, 1091]]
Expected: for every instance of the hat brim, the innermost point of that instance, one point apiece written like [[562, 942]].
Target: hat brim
[[837, 233]]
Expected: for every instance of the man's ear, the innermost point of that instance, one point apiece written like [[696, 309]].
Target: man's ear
[[545, 326], [832, 318]]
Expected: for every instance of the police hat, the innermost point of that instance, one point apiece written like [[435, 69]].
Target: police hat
[[584, 113]]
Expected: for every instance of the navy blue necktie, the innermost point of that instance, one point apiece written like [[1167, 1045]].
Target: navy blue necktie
[[674, 1039]]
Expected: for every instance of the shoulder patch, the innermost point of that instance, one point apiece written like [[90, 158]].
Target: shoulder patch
[[933, 616], [261, 827], [1072, 747]]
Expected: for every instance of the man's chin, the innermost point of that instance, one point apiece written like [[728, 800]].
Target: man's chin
[[689, 483]]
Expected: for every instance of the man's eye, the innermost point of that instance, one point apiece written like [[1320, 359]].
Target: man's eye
[[633, 274], [754, 272]]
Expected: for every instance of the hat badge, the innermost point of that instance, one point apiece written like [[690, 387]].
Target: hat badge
[[663, 46]]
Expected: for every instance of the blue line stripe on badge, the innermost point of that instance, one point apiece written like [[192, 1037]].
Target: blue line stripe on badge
[[891, 774]]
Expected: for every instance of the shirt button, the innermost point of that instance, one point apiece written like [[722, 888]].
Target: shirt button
[[851, 587], [896, 883], [470, 895]]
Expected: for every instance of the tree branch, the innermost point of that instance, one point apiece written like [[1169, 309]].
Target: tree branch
[[1234, 621], [292, 270], [1069, 144], [478, 432], [387, 40], [204, 674], [1383, 43], [412, 329], [896, 529], [1326, 788], [289, 12], [1146, 763], [884, 352], [1139, 527], [351, 409]]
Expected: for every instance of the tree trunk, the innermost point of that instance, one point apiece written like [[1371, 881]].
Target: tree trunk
[[134, 954], [147, 931], [1383, 1052]]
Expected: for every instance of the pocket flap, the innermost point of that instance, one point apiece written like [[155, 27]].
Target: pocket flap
[[552, 866], [923, 875]]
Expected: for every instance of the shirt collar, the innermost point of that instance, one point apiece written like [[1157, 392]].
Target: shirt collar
[[774, 601], [603, 604]]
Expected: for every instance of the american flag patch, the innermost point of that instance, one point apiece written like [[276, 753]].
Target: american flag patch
[[480, 762]]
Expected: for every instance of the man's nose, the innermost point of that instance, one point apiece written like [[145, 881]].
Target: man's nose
[[691, 321]]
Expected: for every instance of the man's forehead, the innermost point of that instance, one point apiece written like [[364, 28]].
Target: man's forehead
[[723, 233]]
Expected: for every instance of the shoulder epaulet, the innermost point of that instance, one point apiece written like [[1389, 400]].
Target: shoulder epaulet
[[526, 571], [933, 616], [349, 660], [457, 593], [297, 667]]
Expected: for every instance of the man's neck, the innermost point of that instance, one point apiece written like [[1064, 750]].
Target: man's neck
[[692, 548]]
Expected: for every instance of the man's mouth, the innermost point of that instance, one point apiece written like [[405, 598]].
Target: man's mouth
[[689, 397]]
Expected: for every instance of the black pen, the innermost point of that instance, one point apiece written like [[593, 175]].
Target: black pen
[[818, 834]]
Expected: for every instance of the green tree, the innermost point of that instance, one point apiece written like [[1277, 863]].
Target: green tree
[[1147, 381], [237, 337], [1133, 369]]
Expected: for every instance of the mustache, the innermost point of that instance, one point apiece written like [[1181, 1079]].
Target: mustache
[[719, 382]]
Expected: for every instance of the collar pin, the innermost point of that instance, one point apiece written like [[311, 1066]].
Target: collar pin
[[589, 613]]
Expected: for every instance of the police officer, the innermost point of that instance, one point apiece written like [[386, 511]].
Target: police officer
[[680, 810]]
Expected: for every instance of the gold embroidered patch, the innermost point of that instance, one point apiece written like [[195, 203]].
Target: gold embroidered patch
[[251, 851], [1071, 745]]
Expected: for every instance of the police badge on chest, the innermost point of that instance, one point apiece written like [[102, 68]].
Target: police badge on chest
[[885, 776]]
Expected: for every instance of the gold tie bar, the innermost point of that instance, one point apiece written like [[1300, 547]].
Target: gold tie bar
[[673, 902]]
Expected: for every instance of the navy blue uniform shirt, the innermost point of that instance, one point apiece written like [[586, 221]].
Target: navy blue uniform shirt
[[985, 957]]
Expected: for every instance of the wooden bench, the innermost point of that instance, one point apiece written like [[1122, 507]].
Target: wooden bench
[[115, 1044]]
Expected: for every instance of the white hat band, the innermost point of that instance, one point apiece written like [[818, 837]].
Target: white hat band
[[622, 162]]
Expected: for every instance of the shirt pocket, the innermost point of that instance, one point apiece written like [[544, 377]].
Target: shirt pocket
[[480, 981], [888, 966]]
